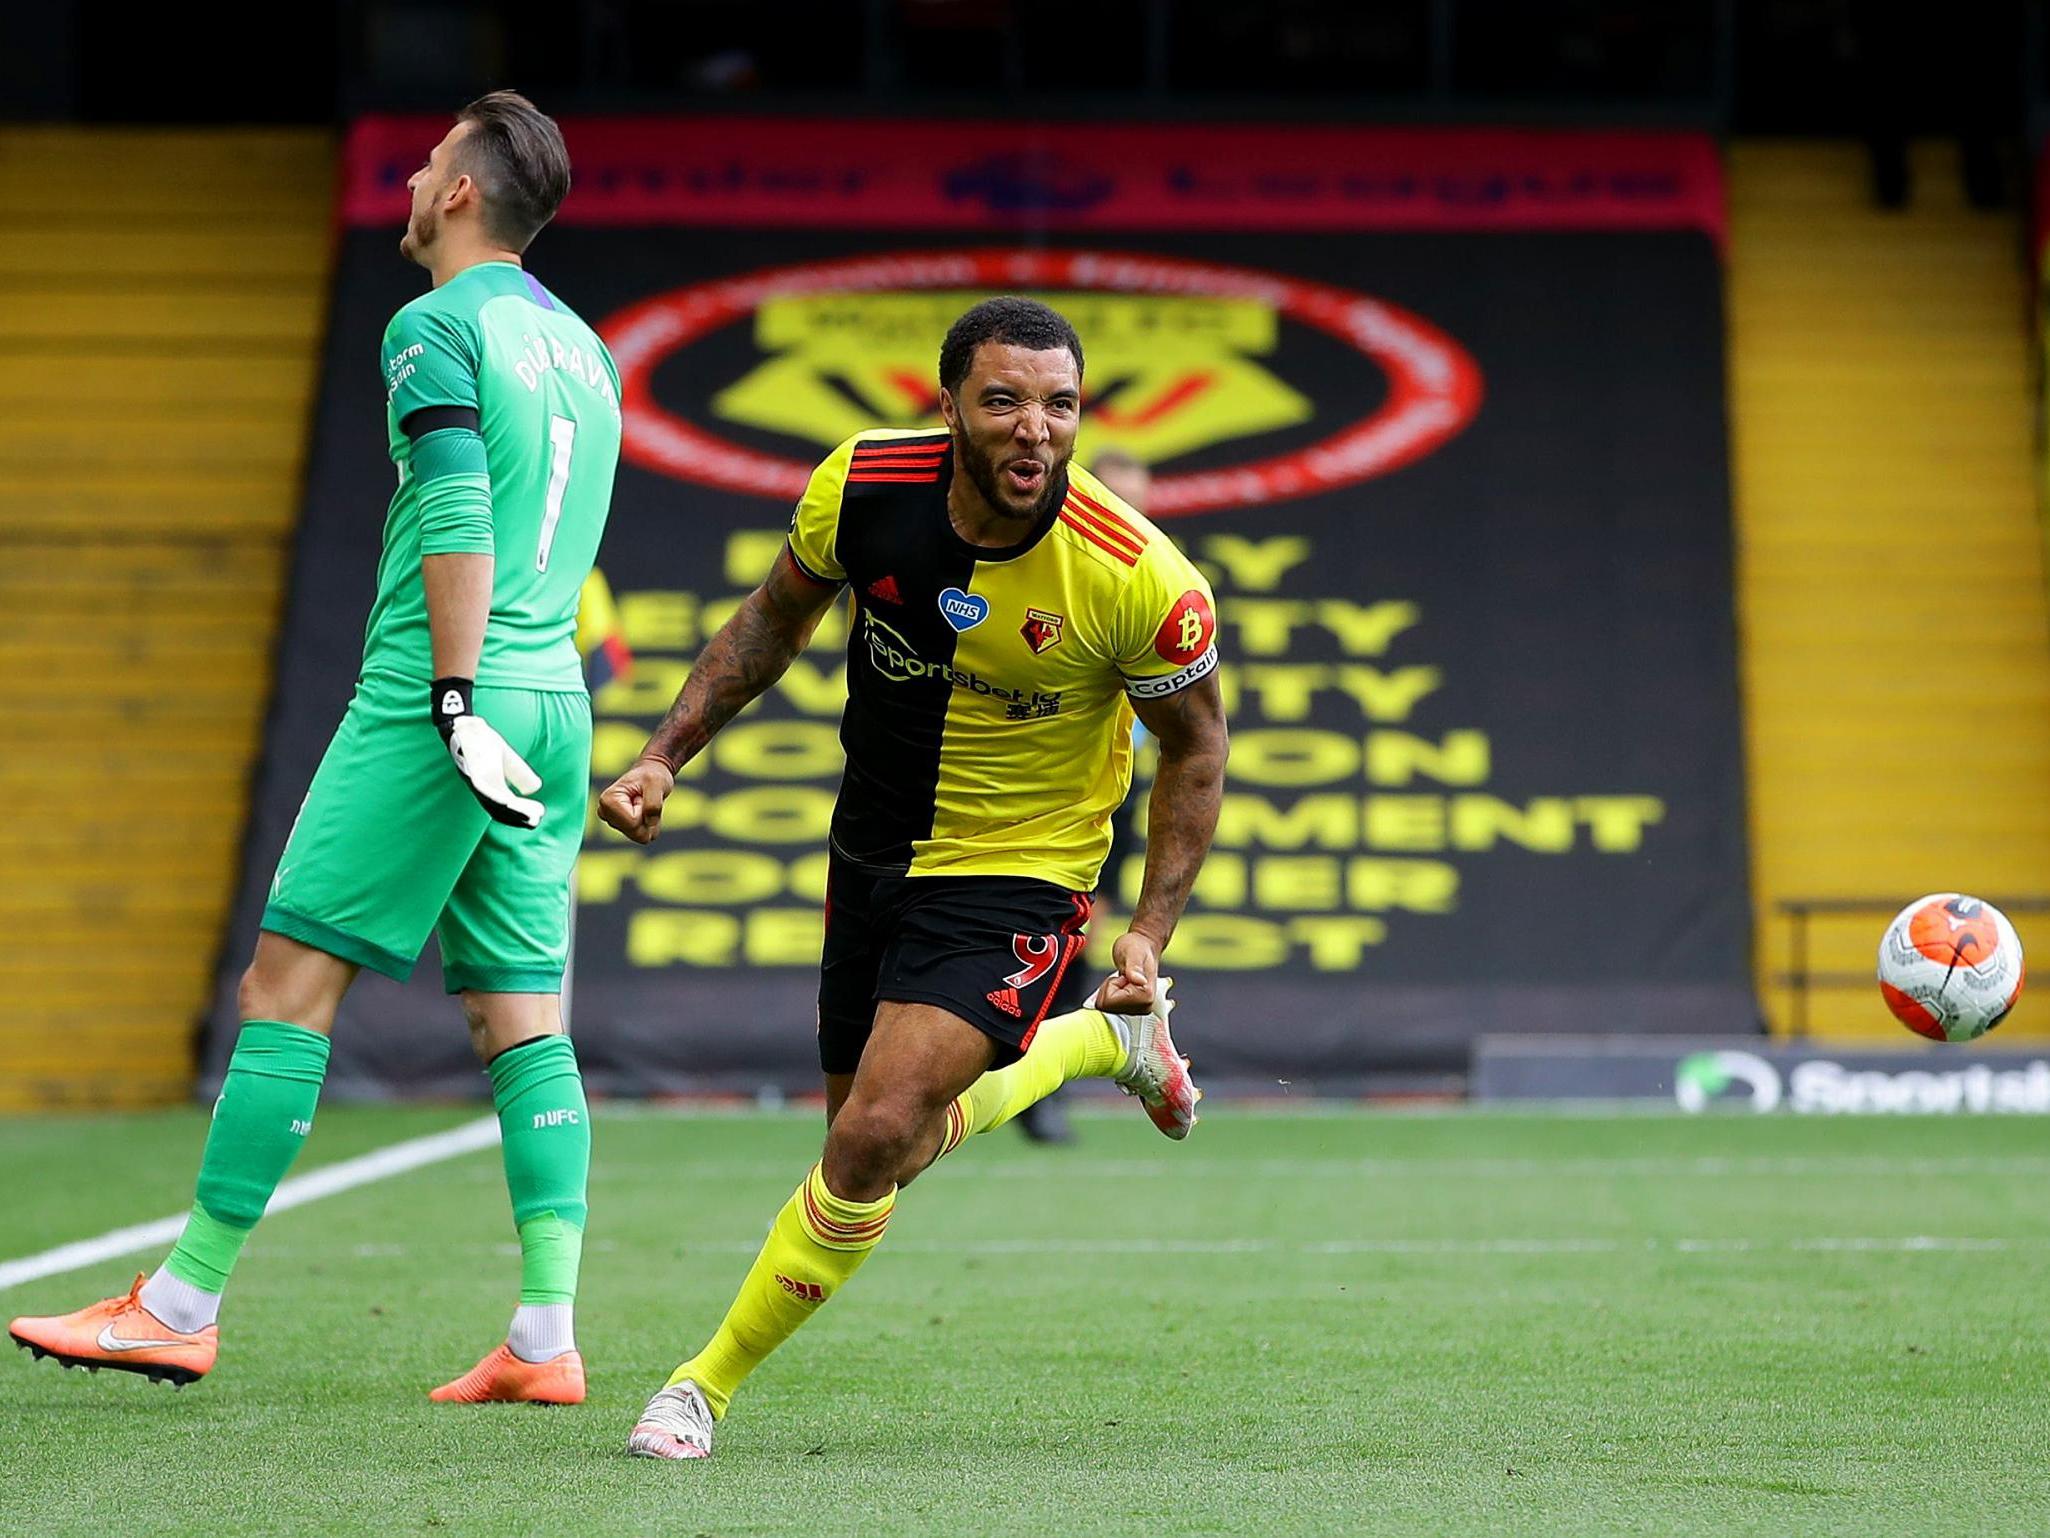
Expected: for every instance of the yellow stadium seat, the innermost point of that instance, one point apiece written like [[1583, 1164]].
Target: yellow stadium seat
[[1896, 645], [162, 298]]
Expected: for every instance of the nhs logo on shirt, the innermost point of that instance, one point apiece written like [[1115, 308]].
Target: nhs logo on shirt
[[964, 611]]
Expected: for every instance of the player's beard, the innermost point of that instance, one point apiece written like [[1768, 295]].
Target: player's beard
[[423, 229], [985, 477]]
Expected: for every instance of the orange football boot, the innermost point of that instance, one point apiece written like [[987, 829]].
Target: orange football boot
[[121, 1334], [502, 1378]]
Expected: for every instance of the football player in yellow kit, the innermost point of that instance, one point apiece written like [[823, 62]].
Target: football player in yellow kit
[[1010, 614]]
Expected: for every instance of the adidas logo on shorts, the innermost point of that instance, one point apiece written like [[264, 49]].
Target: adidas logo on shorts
[[1006, 999]]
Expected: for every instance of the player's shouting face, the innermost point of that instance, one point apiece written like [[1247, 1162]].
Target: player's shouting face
[[1013, 419], [434, 187]]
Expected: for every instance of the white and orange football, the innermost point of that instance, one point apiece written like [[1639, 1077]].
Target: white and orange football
[[1950, 967]]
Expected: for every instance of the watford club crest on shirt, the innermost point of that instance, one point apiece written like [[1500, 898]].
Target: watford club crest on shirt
[[1042, 629]]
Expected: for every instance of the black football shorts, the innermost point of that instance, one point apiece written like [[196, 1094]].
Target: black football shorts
[[991, 949]]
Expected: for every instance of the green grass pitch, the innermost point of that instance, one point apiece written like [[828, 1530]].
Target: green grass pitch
[[1337, 1323]]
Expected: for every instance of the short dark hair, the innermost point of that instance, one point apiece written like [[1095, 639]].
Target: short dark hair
[[1017, 322], [515, 154]]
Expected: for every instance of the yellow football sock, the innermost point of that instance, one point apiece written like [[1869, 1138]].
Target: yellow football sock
[[817, 1241], [1080, 1045]]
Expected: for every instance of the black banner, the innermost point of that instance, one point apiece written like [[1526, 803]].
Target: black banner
[[1749, 1074], [1463, 498]]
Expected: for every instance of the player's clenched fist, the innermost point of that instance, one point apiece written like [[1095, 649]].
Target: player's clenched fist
[[1131, 987], [633, 802]]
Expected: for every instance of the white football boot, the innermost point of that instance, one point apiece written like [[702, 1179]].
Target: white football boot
[[676, 1424], [1153, 1069]]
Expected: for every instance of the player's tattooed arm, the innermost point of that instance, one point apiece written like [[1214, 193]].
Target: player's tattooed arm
[[1181, 816], [751, 651]]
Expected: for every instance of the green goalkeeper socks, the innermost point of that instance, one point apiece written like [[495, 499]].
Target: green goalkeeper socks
[[546, 1127], [266, 1110], [264, 1113]]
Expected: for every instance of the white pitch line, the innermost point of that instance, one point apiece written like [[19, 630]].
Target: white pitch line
[[1764, 1167], [1901, 1244], [329, 1180], [1911, 1243], [991, 1166]]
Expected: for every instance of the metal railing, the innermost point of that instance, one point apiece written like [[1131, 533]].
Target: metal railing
[[1799, 977]]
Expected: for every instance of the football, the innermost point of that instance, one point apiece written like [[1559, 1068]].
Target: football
[[1950, 967]]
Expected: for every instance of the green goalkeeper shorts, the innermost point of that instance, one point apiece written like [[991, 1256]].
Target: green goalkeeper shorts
[[391, 846]]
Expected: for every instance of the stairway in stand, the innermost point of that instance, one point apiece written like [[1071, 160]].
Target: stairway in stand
[[1896, 645], [161, 302]]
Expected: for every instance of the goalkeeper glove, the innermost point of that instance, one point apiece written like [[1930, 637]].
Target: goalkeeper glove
[[488, 765]]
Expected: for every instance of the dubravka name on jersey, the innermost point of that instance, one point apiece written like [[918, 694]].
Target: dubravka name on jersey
[[539, 354]]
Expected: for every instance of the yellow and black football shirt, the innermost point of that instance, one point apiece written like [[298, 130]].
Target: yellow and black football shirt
[[988, 725]]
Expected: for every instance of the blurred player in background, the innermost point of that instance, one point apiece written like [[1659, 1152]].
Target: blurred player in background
[[1046, 1121], [1126, 475], [1010, 613], [503, 421]]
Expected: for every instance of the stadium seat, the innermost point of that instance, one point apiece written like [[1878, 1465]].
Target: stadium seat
[[161, 302], [1896, 648]]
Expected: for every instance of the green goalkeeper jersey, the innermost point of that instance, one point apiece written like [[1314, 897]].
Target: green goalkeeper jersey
[[546, 393]]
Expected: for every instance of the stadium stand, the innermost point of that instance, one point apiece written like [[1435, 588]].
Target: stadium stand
[[1890, 572], [161, 301]]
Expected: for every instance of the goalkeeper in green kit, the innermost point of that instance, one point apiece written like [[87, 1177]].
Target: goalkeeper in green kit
[[451, 799]]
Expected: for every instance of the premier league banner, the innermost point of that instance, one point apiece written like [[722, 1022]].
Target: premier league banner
[[1439, 414]]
